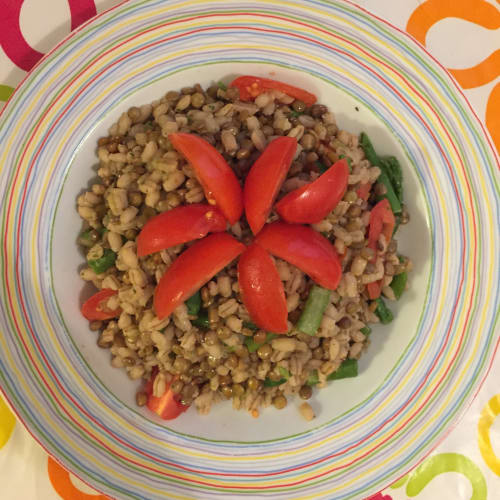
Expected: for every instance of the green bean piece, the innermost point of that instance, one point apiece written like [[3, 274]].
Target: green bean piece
[[393, 170], [313, 378], [390, 169], [250, 326], [201, 321], [366, 330], [89, 238], [252, 346], [348, 160], [368, 149], [284, 372], [103, 263], [87, 235], [398, 284], [273, 383], [311, 316], [396, 224], [383, 312], [383, 178], [222, 85], [348, 369], [321, 167], [296, 114], [194, 304]]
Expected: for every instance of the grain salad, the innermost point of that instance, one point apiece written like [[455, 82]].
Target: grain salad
[[215, 344]]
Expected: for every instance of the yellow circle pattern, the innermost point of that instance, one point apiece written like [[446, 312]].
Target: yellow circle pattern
[[7, 423], [488, 415]]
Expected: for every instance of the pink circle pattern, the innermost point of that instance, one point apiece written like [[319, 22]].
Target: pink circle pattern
[[379, 496], [12, 40]]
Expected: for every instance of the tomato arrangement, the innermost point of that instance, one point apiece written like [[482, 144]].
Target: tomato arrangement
[[212, 249], [258, 278]]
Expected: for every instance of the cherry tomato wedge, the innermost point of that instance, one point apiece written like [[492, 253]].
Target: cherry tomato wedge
[[252, 86], [262, 290], [304, 248], [192, 269], [264, 180], [382, 221], [166, 406], [374, 289], [179, 225], [363, 191], [94, 308], [218, 180], [314, 201]]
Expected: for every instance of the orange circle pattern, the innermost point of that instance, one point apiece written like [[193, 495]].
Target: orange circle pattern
[[61, 481], [478, 12]]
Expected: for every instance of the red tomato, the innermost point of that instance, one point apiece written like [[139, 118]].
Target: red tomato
[[382, 221], [363, 191], [314, 201], [94, 308], [218, 180], [305, 248], [262, 290], [192, 269], [264, 180], [252, 86], [179, 225], [374, 289], [167, 406]]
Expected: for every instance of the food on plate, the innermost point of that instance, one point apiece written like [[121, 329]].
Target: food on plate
[[241, 245], [251, 87]]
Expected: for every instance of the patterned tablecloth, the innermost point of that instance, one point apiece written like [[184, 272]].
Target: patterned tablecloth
[[465, 36]]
